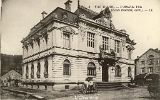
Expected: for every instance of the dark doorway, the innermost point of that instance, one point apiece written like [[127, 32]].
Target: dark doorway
[[105, 72]]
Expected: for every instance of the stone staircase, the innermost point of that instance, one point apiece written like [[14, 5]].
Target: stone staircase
[[104, 86]]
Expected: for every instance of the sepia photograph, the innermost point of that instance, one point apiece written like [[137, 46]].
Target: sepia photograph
[[80, 50]]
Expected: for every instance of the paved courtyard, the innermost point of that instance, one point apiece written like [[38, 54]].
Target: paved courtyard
[[139, 93]]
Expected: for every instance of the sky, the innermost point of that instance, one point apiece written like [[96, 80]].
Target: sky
[[19, 16]]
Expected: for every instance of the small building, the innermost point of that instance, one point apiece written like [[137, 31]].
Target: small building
[[9, 78], [66, 47], [149, 62]]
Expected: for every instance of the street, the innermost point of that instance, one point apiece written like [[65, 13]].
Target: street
[[139, 93]]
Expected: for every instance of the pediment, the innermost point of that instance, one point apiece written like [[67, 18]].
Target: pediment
[[68, 29]]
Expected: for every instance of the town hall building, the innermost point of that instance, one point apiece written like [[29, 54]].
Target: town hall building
[[66, 47]]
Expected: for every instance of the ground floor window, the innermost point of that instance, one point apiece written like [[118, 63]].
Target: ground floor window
[[91, 69], [117, 71], [38, 70], [66, 67], [46, 68], [27, 72], [129, 72], [32, 71]]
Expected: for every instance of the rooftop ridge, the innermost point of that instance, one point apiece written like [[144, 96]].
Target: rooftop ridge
[[89, 10]]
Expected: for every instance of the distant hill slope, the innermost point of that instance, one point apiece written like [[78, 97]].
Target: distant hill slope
[[11, 62]]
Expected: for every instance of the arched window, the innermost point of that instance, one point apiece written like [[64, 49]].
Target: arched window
[[27, 72], [66, 67], [91, 69], [46, 68], [117, 71], [38, 69], [129, 72], [32, 71]]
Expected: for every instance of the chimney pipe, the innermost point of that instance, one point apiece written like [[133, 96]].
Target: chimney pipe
[[43, 14], [68, 5], [156, 49]]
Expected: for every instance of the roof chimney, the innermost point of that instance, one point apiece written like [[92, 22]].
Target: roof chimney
[[68, 5], [156, 49], [43, 14]]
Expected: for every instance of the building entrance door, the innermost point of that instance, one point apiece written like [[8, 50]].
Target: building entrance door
[[105, 73]]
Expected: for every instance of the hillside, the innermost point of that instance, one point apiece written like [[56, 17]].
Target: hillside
[[11, 62]]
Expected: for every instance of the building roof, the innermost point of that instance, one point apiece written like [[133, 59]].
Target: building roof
[[154, 50], [11, 72], [63, 15], [87, 12], [59, 14]]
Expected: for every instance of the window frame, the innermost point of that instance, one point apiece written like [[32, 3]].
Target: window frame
[[66, 71], [46, 68], [91, 69], [90, 39], [151, 57], [129, 72], [143, 70], [27, 72], [105, 43], [117, 46], [65, 44], [150, 69], [117, 71], [38, 70], [32, 71]]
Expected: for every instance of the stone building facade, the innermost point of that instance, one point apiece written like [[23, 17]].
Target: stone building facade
[[66, 47], [149, 62]]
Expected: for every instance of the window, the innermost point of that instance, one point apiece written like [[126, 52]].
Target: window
[[38, 70], [46, 38], [129, 72], [32, 71], [46, 68], [31, 44], [143, 62], [5, 81], [66, 67], [117, 46], [38, 41], [105, 43], [151, 59], [90, 39], [150, 69], [66, 40], [117, 71], [27, 72], [129, 54], [26, 47], [143, 70], [91, 69]]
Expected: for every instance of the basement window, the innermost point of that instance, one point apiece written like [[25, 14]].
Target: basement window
[[66, 86]]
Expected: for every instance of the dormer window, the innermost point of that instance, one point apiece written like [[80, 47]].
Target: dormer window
[[65, 16]]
